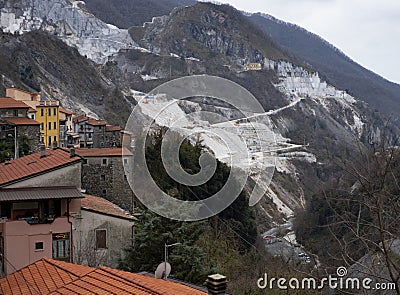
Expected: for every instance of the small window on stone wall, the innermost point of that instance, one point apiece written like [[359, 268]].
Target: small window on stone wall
[[104, 161], [102, 177], [101, 239]]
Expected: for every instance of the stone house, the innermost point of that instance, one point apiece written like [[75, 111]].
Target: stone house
[[103, 230], [15, 124], [103, 174]]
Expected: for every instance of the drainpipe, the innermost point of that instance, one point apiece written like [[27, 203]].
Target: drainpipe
[[71, 247]]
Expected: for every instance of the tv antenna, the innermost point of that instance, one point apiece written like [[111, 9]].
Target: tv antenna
[[164, 268]]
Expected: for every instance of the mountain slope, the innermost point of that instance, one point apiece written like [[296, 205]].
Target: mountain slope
[[333, 65], [128, 13], [37, 61]]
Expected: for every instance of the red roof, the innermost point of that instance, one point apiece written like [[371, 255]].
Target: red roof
[[65, 111], [103, 152], [80, 118], [48, 276], [104, 206], [31, 110], [22, 121], [27, 166], [113, 128], [95, 122], [11, 103]]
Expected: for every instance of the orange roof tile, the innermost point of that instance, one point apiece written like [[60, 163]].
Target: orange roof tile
[[80, 118], [65, 111], [11, 103], [95, 122], [42, 277], [101, 205], [48, 276], [22, 121], [103, 152], [27, 166], [113, 128]]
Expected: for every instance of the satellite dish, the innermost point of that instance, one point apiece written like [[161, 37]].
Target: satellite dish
[[163, 267]]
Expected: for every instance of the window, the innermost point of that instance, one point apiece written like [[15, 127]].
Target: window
[[41, 126], [101, 238], [85, 161], [104, 161], [49, 126], [55, 112], [49, 111], [39, 246], [125, 161], [101, 144], [102, 177], [33, 117], [42, 112], [61, 246], [54, 125], [49, 143], [104, 192], [15, 113], [55, 138]]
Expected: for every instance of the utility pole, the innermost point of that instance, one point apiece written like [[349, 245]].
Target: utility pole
[[166, 257], [15, 143]]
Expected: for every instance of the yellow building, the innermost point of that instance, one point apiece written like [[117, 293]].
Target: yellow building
[[47, 114]]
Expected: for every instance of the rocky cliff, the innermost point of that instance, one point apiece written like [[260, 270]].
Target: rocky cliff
[[70, 21]]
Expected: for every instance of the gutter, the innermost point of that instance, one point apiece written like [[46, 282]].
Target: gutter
[[71, 247]]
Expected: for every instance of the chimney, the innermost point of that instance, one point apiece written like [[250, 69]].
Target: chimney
[[216, 284], [72, 152], [42, 151]]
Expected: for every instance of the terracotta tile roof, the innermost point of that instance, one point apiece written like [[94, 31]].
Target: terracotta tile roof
[[31, 110], [22, 121], [65, 111], [113, 128], [101, 205], [103, 152], [48, 276], [95, 122], [42, 277], [11, 103], [80, 118], [27, 166]]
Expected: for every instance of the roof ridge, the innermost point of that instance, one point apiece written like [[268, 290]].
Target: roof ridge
[[52, 262]]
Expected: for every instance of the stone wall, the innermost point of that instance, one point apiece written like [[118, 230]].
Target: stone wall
[[29, 135], [107, 180], [113, 139]]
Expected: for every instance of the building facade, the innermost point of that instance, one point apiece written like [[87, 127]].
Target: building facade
[[103, 231], [47, 114], [103, 174], [39, 195], [19, 133]]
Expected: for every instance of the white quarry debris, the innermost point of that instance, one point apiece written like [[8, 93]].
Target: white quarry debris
[[299, 84], [253, 141], [148, 77], [75, 26]]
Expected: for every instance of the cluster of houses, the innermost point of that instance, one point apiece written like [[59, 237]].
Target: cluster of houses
[[37, 121], [66, 208]]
